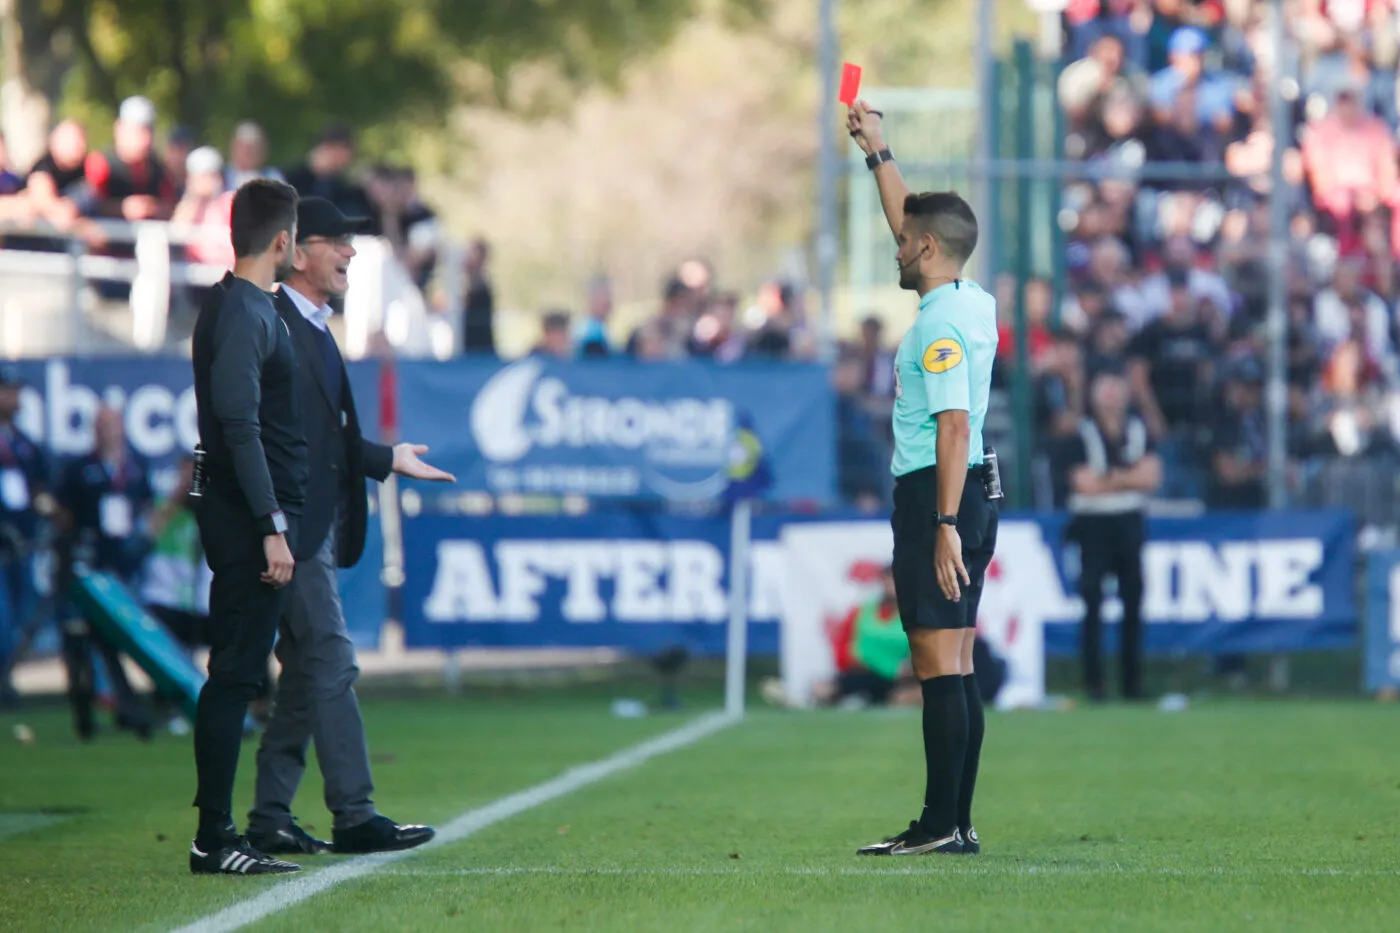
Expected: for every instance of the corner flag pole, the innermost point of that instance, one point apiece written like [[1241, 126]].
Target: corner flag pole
[[737, 647]]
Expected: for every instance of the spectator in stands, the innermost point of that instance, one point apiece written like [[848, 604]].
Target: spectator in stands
[[400, 217], [325, 174], [861, 469], [14, 206], [1334, 315], [877, 360], [666, 333], [128, 181], [1206, 286], [772, 337], [1350, 157], [57, 185], [479, 310], [1106, 347], [247, 157], [1184, 88], [1239, 452], [207, 206], [1039, 301], [1103, 72], [555, 341], [593, 331], [179, 143], [714, 336]]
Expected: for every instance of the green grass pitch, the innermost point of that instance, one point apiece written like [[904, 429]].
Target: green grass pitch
[[1230, 816]]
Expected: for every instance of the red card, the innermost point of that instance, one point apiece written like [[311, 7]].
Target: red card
[[850, 84]]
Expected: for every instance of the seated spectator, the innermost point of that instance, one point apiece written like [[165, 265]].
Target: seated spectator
[[179, 143], [479, 311], [1102, 72], [128, 181], [555, 341], [1083, 308], [207, 206], [1211, 95], [1334, 312], [325, 172], [1239, 450], [14, 206], [247, 157], [666, 333], [593, 332], [877, 358], [400, 217], [57, 186], [1169, 364], [861, 469], [1038, 337], [1106, 347], [872, 656], [1204, 284], [1352, 369], [714, 336], [1350, 157], [771, 321]]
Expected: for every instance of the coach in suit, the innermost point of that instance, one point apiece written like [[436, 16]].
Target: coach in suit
[[315, 696]]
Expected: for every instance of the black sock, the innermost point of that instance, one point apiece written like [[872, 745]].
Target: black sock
[[976, 728], [945, 747], [216, 829]]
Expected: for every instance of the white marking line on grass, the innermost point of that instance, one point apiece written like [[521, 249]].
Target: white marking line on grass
[[301, 887], [980, 867]]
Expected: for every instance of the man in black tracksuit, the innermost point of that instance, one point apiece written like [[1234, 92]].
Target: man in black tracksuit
[[255, 478], [1113, 470]]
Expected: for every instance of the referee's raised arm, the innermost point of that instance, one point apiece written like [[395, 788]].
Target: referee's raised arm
[[865, 128]]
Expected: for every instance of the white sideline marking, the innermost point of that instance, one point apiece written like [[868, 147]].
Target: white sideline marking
[[978, 868], [299, 888]]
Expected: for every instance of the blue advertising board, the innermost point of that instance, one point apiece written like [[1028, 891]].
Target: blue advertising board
[[1228, 582], [617, 429], [61, 396], [1383, 620]]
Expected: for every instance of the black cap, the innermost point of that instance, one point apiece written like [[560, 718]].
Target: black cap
[[317, 217]]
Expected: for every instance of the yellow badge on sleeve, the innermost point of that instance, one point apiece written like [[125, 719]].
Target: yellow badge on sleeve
[[942, 355]]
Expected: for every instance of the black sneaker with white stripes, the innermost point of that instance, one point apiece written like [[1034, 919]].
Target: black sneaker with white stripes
[[237, 858], [915, 841], [971, 844]]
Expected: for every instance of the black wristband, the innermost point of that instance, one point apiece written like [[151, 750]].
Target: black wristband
[[947, 519], [876, 159], [273, 523]]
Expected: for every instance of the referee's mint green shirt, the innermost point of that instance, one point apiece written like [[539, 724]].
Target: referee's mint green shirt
[[944, 363]]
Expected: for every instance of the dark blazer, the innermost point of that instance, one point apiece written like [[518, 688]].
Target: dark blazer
[[336, 448]]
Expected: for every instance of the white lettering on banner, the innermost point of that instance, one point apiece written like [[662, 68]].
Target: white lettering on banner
[[683, 431], [653, 581], [1191, 581], [158, 421]]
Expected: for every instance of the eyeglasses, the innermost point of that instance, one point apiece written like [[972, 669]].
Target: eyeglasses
[[339, 242]]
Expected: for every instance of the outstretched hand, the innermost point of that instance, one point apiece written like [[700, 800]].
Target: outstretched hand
[[406, 463]]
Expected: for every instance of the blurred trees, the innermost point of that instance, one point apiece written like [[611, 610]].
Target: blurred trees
[[293, 64]]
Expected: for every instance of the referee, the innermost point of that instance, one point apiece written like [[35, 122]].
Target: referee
[[256, 471], [945, 513]]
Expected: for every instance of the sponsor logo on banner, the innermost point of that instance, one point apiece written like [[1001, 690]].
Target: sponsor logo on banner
[[637, 581], [687, 444]]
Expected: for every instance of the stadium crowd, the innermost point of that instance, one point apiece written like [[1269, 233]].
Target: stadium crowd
[[1168, 103]]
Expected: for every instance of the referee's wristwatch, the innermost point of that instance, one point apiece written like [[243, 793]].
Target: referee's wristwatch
[[951, 520], [273, 523], [878, 158]]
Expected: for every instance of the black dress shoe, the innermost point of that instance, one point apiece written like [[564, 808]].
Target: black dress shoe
[[290, 839], [380, 834]]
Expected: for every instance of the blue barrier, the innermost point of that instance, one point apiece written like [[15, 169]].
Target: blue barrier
[[616, 429], [635, 580]]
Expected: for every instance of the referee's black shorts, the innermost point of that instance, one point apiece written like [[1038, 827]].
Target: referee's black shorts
[[915, 523]]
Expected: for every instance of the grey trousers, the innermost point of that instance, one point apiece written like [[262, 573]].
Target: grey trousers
[[315, 701]]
